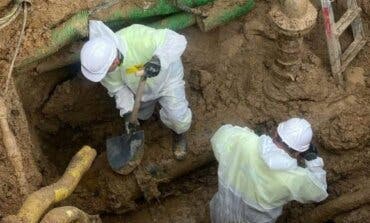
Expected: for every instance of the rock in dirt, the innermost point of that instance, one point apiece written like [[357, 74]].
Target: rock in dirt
[[355, 75]]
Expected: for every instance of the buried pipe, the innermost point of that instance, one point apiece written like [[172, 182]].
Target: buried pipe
[[39, 201], [125, 13], [73, 29], [71, 55], [77, 26], [216, 17], [129, 12], [69, 214], [102, 190], [175, 22]]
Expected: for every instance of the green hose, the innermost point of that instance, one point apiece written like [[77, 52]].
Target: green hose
[[73, 29], [175, 22], [224, 11], [129, 12], [122, 14]]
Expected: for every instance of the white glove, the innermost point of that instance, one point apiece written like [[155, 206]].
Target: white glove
[[316, 169], [124, 100]]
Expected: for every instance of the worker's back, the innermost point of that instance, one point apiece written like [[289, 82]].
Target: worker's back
[[242, 169], [140, 43]]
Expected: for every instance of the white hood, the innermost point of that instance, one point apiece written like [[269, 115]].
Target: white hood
[[274, 157], [99, 29]]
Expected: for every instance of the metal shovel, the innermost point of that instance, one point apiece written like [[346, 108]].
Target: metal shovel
[[126, 151]]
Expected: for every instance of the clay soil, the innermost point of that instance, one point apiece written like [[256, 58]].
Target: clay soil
[[228, 80]]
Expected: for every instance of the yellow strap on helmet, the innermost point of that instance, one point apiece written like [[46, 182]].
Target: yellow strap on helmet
[[134, 69]]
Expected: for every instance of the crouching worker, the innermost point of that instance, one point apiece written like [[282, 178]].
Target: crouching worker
[[257, 175], [113, 59]]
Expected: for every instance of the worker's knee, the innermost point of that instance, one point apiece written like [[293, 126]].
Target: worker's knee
[[177, 121]]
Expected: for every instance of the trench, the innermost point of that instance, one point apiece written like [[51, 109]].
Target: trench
[[71, 112], [65, 112]]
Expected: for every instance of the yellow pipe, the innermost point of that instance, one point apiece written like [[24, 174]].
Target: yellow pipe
[[38, 202], [69, 214]]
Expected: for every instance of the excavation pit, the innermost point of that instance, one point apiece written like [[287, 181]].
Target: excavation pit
[[228, 80]]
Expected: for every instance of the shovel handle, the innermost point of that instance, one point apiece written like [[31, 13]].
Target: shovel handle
[[139, 94]]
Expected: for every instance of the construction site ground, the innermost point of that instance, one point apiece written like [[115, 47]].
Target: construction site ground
[[227, 73]]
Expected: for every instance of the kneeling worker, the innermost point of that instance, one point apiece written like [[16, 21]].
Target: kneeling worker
[[257, 175], [113, 59]]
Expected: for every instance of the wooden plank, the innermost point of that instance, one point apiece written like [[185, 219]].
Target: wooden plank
[[359, 37], [333, 43], [357, 27], [346, 20], [352, 52], [352, 16]]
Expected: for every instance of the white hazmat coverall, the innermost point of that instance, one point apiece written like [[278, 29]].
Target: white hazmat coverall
[[256, 178], [138, 44]]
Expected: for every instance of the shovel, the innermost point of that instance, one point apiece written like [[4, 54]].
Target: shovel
[[126, 151]]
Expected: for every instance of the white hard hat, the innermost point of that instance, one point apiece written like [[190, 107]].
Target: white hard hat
[[97, 55], [296, 133]]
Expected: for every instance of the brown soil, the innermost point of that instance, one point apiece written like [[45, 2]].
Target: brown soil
[[10, 195], [228, 74], [43, 16]]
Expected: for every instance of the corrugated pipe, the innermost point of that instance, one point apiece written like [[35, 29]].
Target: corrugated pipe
[[130, 12], [72, 54], [175, 22], [76, 27]]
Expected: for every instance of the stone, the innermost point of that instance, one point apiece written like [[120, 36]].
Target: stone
[[355, 75]]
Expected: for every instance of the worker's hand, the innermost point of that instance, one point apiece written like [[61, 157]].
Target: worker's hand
[[140, 73], [130, 127], [311, 153], [153, 67]]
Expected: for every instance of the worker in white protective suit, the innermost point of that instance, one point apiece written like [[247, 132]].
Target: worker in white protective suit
[[259, 174], [113, 59]]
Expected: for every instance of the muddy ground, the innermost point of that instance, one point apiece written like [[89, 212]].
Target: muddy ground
[[229, 80]]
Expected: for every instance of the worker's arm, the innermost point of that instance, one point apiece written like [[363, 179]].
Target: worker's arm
[[315, 168], [122, 94], [226, 137], [314, 189], [171, 49], [124, 100]]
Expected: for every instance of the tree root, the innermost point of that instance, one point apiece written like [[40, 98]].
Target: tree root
[[13, 152], [339, 205], [38, 202], [69, 214]]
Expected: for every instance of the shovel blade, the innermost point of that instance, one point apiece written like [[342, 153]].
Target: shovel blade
[[124, 152]]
